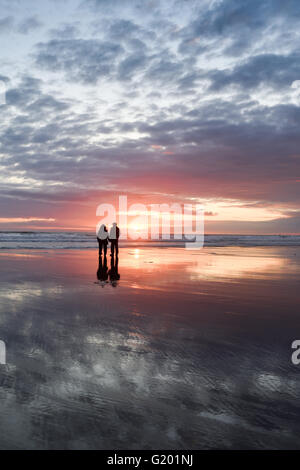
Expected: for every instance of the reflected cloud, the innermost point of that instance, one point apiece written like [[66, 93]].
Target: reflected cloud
[[150, 366], [216, 267]]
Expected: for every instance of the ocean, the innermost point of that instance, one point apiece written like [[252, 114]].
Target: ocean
[[86, 241]]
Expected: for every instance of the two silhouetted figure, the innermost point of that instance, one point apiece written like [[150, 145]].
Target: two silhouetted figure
[[103, 239], [113, 237]]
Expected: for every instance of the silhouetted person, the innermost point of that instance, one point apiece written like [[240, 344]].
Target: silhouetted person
[[102, 239], [114, 276], [114, 235], [102, 273]]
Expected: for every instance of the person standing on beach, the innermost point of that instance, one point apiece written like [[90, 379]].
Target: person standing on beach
[[114, 235], [102, 239]]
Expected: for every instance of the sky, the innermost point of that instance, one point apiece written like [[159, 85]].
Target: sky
[[176, 101]]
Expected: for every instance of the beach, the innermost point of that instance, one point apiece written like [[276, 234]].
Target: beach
[[189, 349]]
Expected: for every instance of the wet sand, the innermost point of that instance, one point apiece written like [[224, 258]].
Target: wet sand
[[188, 350]]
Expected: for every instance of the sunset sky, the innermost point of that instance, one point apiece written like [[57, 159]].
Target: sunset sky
[[161, 100]]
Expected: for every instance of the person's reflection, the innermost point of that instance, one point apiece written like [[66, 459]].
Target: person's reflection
[[102, 273], [113, 273]]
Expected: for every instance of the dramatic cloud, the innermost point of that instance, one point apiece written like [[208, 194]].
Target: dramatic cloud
[[163, 101]]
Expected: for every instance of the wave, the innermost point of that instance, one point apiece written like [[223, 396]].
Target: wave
[[86, 241]]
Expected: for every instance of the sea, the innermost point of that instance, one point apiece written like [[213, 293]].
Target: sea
[[85, 241]]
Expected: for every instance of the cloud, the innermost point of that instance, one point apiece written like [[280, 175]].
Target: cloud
[[238, 25], [184, 109], [121, 29], [246, 158], [29, 24], [6, 24], [28, 89], [210, 213], [131, 65], [3, 78], [268, 69], [18, 220], [65, 31], [82, 60]]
